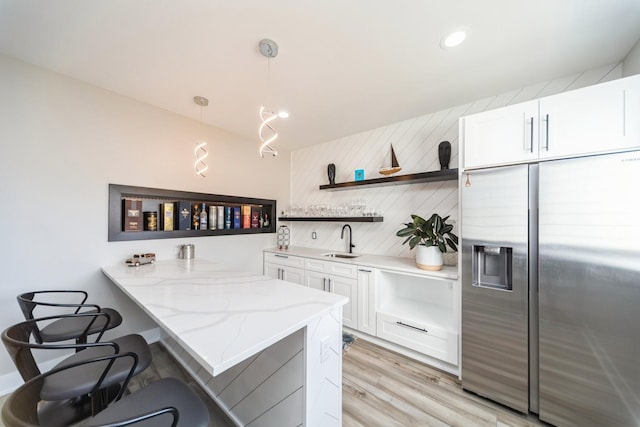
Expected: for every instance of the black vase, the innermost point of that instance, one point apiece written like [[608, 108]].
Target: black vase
[[444, 154], [331, 172]]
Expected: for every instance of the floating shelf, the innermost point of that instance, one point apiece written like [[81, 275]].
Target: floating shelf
[[332, 218], [414, 178]]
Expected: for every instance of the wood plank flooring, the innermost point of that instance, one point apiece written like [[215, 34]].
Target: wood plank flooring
[[383, 388]]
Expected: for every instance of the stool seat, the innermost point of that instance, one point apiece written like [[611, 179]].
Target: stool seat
[[59, 387], [165, 393], [67, 302], [73, 327]]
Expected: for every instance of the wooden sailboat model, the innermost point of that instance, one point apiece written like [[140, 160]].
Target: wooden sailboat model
[[395, 167]]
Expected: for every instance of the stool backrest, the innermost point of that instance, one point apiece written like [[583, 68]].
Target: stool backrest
[[17, 341]]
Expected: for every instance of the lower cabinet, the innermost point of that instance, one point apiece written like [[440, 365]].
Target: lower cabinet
[[284, 267], [283, 272], [420, 313], [317, 275], [412, 310], [367, 300], [421, 337]]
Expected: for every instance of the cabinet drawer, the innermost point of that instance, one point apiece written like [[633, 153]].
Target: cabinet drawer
[[427, 339], [333, 268], [284, 259]]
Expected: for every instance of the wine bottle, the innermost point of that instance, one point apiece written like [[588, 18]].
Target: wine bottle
[[195, 219], [203, 217], [213, 216]]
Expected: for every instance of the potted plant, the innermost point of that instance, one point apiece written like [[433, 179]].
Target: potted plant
[[432, 237]]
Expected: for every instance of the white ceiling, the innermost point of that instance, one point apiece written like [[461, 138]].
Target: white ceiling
[[344, 66]]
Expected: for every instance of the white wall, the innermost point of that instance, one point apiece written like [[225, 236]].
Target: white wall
[[415, 142], [631, 64], [62, 142]]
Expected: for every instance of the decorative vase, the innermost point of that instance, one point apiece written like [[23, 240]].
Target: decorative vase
[[331, 172], [429, 258], [444, 154]]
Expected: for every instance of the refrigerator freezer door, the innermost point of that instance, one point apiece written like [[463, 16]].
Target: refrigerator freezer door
[[589, 284], [495, 285]]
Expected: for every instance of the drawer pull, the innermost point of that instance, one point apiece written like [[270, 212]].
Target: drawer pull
[[366, 271], [281, 256], [412, 327]]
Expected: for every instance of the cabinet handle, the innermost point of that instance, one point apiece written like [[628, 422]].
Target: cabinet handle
[[324, 284], [366, 271], [412, 327], [330, 290], [531, 137], [546, 147], [281, 256]]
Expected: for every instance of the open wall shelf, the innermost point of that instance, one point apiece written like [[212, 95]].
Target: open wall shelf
[[152, 200], [414, 178], [332, 218]]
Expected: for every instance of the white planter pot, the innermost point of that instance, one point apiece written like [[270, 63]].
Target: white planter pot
[[429, 258]]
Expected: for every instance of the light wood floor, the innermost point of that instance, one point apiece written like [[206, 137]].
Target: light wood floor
[[383, 388], [380, 388]]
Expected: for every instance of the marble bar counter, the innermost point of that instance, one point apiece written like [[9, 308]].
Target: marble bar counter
[[269, 352]]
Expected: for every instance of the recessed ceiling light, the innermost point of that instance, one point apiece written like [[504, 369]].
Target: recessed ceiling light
[[453, 39]]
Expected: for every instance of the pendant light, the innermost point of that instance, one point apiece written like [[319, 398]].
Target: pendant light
[[200, 150], [266, 131]]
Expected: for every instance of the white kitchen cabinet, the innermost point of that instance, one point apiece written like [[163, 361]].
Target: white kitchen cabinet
[[500, 136], [413, 312], [290, 274], [419, 313], [336, 278], [591, 120], [367, 300], [284, 267]]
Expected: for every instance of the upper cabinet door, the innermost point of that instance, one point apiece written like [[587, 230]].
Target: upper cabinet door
[[595, 119], [502, 136]]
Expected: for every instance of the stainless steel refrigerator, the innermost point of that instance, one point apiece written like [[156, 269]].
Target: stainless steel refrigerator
[[551, 288]]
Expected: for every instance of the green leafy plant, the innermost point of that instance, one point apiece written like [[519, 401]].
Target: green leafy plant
[[432, 232]]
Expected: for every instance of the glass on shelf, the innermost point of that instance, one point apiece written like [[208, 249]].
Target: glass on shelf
[[353, 208]]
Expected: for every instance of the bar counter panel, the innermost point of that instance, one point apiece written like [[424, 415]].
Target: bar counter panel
[[254, 343]]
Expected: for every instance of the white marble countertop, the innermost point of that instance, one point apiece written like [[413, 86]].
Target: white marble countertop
[[221, 316], [402, 265]]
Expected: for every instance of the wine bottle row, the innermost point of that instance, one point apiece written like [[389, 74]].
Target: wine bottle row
[[190, 215]]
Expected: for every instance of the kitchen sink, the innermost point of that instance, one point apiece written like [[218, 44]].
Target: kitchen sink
[[341, 255]]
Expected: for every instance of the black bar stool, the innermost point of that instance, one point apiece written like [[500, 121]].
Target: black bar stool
[[167, 402], [69, 327], [17, 340]]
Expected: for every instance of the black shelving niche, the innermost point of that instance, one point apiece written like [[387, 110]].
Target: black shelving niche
[[151, 199]]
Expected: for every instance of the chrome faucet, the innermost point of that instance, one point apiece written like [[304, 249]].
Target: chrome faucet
[[351, 245]]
